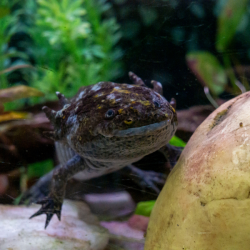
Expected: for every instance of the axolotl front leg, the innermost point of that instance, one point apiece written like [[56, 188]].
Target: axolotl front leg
[[141, 177], [52, 204]]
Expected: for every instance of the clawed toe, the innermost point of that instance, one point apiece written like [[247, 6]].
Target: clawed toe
[[153, 179], [49, 207], [148, 178]]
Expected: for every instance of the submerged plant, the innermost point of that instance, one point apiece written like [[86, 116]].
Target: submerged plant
[[5, 20], [216, 76], [73, 45]]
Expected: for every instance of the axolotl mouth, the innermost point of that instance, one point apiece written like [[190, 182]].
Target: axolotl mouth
[[143, 130]]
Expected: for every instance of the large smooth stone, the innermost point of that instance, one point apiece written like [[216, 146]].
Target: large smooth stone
[[205, 203]]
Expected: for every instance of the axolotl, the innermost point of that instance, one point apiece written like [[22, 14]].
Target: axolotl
[[105, 127]]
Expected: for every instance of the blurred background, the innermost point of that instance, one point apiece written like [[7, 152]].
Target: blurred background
[[199, 51]]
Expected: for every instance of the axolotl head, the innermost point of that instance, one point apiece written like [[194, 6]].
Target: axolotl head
[[109, 121]]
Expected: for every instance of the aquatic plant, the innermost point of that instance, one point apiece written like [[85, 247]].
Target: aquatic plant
[[71, 44]]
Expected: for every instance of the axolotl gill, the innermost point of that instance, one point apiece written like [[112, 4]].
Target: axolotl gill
[[105, 127]]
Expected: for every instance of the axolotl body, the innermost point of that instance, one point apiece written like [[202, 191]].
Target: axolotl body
[[105, 127]]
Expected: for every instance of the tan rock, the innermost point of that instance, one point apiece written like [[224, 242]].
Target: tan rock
[[205, 202]]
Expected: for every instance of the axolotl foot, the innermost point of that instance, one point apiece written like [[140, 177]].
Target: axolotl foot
[[39, 191], [50, 206], [147, 179]]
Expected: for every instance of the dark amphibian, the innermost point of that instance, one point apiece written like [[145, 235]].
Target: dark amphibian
[[105, 127]]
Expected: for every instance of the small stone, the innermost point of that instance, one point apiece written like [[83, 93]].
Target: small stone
[[139, 222], [123, 236], [110, 205]]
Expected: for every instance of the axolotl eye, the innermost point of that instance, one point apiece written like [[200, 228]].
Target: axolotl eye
[[110, 113], [157, 104]]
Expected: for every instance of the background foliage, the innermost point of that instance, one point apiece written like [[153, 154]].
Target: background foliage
[[70, 43], [160, 36]]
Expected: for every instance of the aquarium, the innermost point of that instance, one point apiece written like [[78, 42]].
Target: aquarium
[[124, 124]]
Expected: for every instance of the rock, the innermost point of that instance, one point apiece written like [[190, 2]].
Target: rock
[[110, 205], [205, 202], [124, 237], [19, 233], [139, 222]]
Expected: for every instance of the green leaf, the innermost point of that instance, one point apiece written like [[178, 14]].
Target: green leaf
[[208, 70], [17, 199], [39, 169], [148, 14], [228, 22], [18, 92], [144, 208], [4, 12], [177, 142], [9, 116]]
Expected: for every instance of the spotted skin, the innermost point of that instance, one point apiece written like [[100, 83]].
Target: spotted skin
[[104, 128]]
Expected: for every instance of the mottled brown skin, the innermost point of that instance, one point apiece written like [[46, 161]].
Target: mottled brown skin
[[104, 128]]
